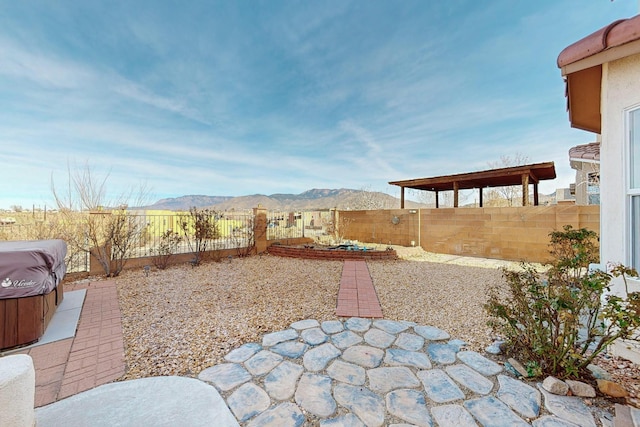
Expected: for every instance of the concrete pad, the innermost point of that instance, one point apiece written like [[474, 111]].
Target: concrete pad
[[157, 401]]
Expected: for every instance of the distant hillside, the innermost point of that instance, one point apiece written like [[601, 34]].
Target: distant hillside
[[309, 200], [186, 202]]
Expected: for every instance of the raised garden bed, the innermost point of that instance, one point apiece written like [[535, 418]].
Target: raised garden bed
[[341, 252]]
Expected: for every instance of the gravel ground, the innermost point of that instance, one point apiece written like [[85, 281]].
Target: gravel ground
[[182, 320], [448, 296]]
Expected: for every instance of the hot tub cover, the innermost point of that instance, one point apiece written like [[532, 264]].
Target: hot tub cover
[[31, 267]]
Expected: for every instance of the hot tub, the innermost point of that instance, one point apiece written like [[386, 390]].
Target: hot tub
[[30, 288]]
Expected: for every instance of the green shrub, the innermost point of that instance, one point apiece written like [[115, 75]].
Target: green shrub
[[557, 322]]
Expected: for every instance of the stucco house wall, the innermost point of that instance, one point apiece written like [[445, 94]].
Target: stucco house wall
[[620, 92]]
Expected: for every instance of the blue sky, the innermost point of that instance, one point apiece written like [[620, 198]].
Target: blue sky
[[245, 97]]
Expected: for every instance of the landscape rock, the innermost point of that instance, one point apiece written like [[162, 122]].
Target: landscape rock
[[578, 388], [611, 388], [555, 386], [495, 347], [518, 367], [598, 373]]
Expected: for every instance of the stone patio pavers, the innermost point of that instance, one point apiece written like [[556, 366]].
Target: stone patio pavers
[[379, 373]]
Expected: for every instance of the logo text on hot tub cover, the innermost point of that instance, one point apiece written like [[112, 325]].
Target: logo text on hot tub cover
[[7, 283]]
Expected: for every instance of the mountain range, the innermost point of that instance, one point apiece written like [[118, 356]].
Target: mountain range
[[315, 199]]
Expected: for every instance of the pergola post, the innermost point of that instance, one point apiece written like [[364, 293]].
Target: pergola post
[[536, 201], [480, 198], [525, 189], [455, 194], [437, 201], [401, 197]]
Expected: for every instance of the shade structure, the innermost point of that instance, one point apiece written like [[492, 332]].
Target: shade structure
[[517, 175]]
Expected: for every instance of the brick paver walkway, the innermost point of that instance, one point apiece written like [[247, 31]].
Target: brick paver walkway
[[95, 356], [357, 297]]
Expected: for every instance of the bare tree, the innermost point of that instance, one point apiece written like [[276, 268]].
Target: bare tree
[[370, 200], [512, 194], [445, 198], [95, 223]]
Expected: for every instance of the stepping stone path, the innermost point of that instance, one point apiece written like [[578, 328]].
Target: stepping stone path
[[364, 372]]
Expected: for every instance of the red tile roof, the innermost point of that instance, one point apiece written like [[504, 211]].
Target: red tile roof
[[615, 34], [586, 152]]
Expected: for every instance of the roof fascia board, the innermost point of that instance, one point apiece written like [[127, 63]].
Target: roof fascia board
[[609, 55], [578, 159]]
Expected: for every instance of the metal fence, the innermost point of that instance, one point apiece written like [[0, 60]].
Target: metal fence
[[175, 232], [232, 230], [291, 225]]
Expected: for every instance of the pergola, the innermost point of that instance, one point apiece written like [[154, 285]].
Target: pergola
[[518, 175]]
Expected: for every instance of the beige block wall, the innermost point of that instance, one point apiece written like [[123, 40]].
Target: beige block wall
[[509, 233]]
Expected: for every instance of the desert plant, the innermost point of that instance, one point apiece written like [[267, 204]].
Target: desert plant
[[169, 241], [559, 321], [107, 234], [200, 229], [244, 238]]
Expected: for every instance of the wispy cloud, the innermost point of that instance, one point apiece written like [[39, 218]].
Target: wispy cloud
[[237, 98]]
